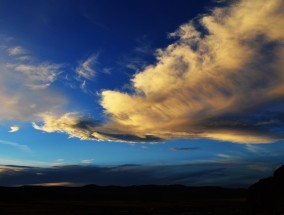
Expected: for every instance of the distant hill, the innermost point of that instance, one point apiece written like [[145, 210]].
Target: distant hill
[[267, 195], [94, 192], [133, 200]]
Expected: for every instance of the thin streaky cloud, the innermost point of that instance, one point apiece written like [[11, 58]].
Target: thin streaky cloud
[[87, 161], [25, 163], [58, 184], [39, 76], [86, 68], [16, 145], [25, 86], [17, 50], [183, 148]]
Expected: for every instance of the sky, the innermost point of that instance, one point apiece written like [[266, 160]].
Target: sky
[[141, 92]]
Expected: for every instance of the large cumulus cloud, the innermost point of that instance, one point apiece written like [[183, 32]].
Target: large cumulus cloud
[[222, 79]]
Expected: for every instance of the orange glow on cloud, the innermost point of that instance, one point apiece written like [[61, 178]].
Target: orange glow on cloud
[[198, 80]]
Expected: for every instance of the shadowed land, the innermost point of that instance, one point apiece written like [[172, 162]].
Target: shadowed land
[[264, 197], [93, 199]]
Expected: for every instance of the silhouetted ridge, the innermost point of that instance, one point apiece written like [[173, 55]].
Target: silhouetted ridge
[[93, 192], [279, 173], [109, 200], [267, 195]]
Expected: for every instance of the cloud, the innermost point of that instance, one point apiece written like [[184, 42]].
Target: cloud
[[38, 76], [14, 129], [88, 161], [25, 85], [71, 123], [85, 69], [222, 79], [16, 145], [58, 162], [17, 50], [86, 128], [85, 74], [204, 174], [183, 149], [218, 83], [61, 184], [26, 163]]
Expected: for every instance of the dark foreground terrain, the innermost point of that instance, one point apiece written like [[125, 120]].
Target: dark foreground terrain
[[117, 200], [264, 197]]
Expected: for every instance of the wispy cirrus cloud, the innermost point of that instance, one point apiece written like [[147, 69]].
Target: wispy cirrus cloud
[[87, 161], [224, 82], [25, 84], [37, 76], [17, 50], [85, 72], [23, 163], [183, 148], [16, 145], [86, 68]]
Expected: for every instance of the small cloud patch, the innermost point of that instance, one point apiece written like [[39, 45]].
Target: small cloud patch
[[14, 129]]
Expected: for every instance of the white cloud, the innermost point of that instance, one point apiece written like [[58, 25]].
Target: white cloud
[[25, 85], [89, 161], [59, 162], [17, 50], [14, 128], [83, 86], [86, 68], [38, 76], [258, 150]]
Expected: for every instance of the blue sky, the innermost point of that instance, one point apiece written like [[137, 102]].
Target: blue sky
[[193, 88]]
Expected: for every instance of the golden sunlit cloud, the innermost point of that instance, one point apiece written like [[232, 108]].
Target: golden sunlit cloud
[[216, 83]]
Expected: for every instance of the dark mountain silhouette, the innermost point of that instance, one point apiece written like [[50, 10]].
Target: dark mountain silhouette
[[267, 195], [94, 192], [138, 200]]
